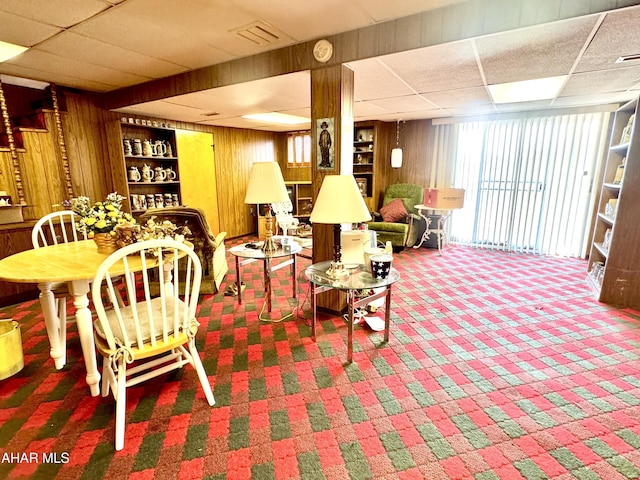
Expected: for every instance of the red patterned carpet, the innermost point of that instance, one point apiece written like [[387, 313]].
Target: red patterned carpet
[[499, 366]]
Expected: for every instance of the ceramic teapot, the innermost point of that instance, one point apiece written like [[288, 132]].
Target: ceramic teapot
[[137, 146], [134, 174], [148, 149], [160, 176], [147, 173], [160, 147]]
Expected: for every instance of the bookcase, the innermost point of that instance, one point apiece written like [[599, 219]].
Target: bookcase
[[614, 258]]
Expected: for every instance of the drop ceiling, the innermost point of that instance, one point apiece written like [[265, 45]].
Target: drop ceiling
[[105, 45]]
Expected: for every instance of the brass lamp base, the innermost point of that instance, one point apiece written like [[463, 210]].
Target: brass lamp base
[[269, 245]]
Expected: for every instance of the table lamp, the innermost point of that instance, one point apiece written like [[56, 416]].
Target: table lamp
[[266, 186], [339, 201]]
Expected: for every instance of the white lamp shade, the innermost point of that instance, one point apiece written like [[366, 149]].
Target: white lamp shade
[[396, 158], [339, 201], [266, 184]]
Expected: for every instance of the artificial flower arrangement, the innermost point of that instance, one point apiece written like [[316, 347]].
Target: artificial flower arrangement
[[101, 217], [153, 230]]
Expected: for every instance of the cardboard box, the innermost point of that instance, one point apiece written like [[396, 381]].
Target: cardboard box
[[444, 198], [12, 214]]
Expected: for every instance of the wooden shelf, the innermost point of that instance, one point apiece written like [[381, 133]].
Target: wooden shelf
[[136, 191], [621, 275], [606, 218]]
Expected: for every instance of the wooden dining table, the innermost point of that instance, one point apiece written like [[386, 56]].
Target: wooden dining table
[[76, 264]]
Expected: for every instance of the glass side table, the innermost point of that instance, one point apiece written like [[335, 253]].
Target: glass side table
[[252, 254], [360, 278]]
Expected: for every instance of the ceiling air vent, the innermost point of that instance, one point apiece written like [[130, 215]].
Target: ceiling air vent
[[628, 58], [260, 33]]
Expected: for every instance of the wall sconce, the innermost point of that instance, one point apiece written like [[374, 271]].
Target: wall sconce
[[396, 153]]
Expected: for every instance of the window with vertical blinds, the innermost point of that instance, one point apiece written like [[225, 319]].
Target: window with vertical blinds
[[529, 182], [299, 149]]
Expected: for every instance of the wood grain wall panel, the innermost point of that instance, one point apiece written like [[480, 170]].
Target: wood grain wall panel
[[235, 151], [14, 239], [41, 173], [92, 166], [7, 179], [416, 163]]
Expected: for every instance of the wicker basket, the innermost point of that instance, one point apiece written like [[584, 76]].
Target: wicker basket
[[106, 243]]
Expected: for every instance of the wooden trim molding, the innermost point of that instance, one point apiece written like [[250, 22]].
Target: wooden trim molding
[[17, 173], [61, 143]]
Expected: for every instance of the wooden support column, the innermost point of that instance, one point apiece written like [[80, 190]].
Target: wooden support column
[[331, 102]]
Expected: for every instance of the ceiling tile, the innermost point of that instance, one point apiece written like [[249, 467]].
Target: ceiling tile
[[60, 13], [535, 52], [409, 103], [370, 74], [613, 80], [146, 37], [618, 35], [437, 68], [581, 100], [48, 62], [464, 97], [54, 77], [23, 31], [79, 48]]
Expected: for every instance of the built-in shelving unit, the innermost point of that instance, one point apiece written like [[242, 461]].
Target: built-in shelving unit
[[364, 144], [151, 164], [614, 259], [300, 194]]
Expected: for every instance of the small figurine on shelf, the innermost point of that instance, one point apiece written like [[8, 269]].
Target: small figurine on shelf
[[127, 147], [619, 172], [626, 132]]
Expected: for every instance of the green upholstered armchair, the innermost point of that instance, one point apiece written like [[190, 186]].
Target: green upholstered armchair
[[209, 247], [402, 232]]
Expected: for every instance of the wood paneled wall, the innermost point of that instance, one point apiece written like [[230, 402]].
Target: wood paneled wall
[[235, 151], [90, 164], [416, 162]]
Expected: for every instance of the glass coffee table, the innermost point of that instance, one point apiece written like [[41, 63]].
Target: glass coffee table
[[358, 280]]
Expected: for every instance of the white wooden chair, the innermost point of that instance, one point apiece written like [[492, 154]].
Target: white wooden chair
[[155, 334], [53, 229]]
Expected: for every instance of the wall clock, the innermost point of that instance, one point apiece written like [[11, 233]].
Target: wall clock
[[322, 50]]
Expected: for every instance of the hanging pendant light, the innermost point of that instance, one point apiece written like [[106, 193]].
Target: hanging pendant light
[[396, 153]]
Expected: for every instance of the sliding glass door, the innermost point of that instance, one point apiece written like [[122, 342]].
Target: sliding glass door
[[529, 182]]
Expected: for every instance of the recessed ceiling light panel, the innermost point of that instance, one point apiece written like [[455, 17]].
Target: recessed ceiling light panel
[[275, 117], [10, 50], [527, 90]]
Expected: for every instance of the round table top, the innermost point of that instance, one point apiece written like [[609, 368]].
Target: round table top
[[58, 263], [359, 277], [244, 252]]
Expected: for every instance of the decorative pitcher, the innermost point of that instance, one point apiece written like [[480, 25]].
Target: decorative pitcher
[[161, 148], [127, 147], [134, 174], [148, 149], [137, 146], [147, 173], [160, 176]]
